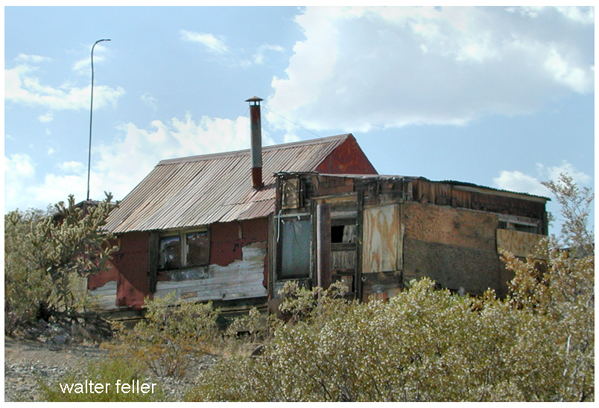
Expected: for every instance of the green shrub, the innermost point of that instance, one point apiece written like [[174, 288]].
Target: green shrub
[[171, 336], [432, 345]]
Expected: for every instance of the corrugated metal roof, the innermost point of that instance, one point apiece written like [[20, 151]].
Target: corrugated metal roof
[[201, 190]]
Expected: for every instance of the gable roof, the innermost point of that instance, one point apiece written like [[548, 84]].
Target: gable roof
[[201, 190]]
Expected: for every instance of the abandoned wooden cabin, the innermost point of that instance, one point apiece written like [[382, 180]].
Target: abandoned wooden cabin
[[376, 233], [233, 227], [199, 225]]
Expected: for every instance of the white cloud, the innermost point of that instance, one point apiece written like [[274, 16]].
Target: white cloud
[[364, 68], [83, 66], [524, 183], [22, 87], [36, 59], [149, 101], [208, 40], [520, 182], [72, 167], [18, 172], [552, 173], [48, 117], [258, 57], [120, 166]]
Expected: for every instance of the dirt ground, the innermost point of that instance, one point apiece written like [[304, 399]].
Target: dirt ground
[[25, 360]]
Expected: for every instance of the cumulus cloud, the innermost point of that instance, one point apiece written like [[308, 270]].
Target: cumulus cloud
[[520, 182], [364, 68], [123, 164], [36, 59], [524, 183], [120, 166], [209, 41], [22, 87], [48, 117], [258, 57], [83, 66]]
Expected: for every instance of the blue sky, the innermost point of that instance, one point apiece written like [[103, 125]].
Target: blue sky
[[501, 97]]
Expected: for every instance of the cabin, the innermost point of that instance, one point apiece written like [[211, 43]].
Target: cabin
[[199, 226], [233, 227], [376, 233]]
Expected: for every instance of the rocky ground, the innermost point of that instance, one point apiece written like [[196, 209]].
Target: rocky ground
[[28, 361]]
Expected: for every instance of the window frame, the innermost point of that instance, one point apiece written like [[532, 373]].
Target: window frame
[[184, 251]]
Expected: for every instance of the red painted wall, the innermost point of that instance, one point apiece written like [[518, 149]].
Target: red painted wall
[[132, 263], [348, 158]]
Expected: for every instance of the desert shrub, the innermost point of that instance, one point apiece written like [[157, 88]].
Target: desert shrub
[[109, 371], [172, 335], [432, 345], [48, 256], [254, 323], [27, 288]]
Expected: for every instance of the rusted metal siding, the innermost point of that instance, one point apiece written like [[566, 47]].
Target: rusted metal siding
[[203, 190]]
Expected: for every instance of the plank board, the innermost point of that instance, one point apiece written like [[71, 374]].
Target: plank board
[[519, 243], [381, 239], [241, 279], [105, 296], [450, 226]]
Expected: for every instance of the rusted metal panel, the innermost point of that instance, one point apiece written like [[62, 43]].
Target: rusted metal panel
[[381, 238], [519, 243], [202, 190]]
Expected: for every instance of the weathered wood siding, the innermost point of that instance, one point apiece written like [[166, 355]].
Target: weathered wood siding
[[241, 279], [519, 243], [381, 250], [105, 296], [454, 247]]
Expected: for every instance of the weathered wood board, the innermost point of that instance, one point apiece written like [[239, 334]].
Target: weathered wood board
[[381, 239], [452, 266], [105, 296], [519, 243], [450, 226], [239, 280]]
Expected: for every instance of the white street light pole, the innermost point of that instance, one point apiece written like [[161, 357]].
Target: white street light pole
[[91, 110]]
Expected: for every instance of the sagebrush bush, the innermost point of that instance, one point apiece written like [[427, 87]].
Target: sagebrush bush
[[171, 335], [432, 345]]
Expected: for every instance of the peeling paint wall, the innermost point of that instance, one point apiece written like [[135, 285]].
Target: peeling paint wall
[[241, 279]]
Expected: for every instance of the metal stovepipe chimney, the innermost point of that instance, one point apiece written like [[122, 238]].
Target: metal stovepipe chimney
[[256, 146]]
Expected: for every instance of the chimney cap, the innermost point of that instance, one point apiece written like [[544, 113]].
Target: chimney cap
[[254, 99]]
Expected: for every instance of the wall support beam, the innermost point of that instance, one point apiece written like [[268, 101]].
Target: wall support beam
[[323, 245]]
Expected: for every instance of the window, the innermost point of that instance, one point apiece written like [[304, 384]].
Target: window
[[183, 250], [294, 254], [515, 223]]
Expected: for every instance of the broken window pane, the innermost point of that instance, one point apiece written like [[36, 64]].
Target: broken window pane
[[170, 253], [295, 248], [198, 248]]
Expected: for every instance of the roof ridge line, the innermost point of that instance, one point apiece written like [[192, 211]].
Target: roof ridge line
[[244, 151]]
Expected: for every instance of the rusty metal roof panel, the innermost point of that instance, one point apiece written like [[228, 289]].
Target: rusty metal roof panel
[[201, 190]]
